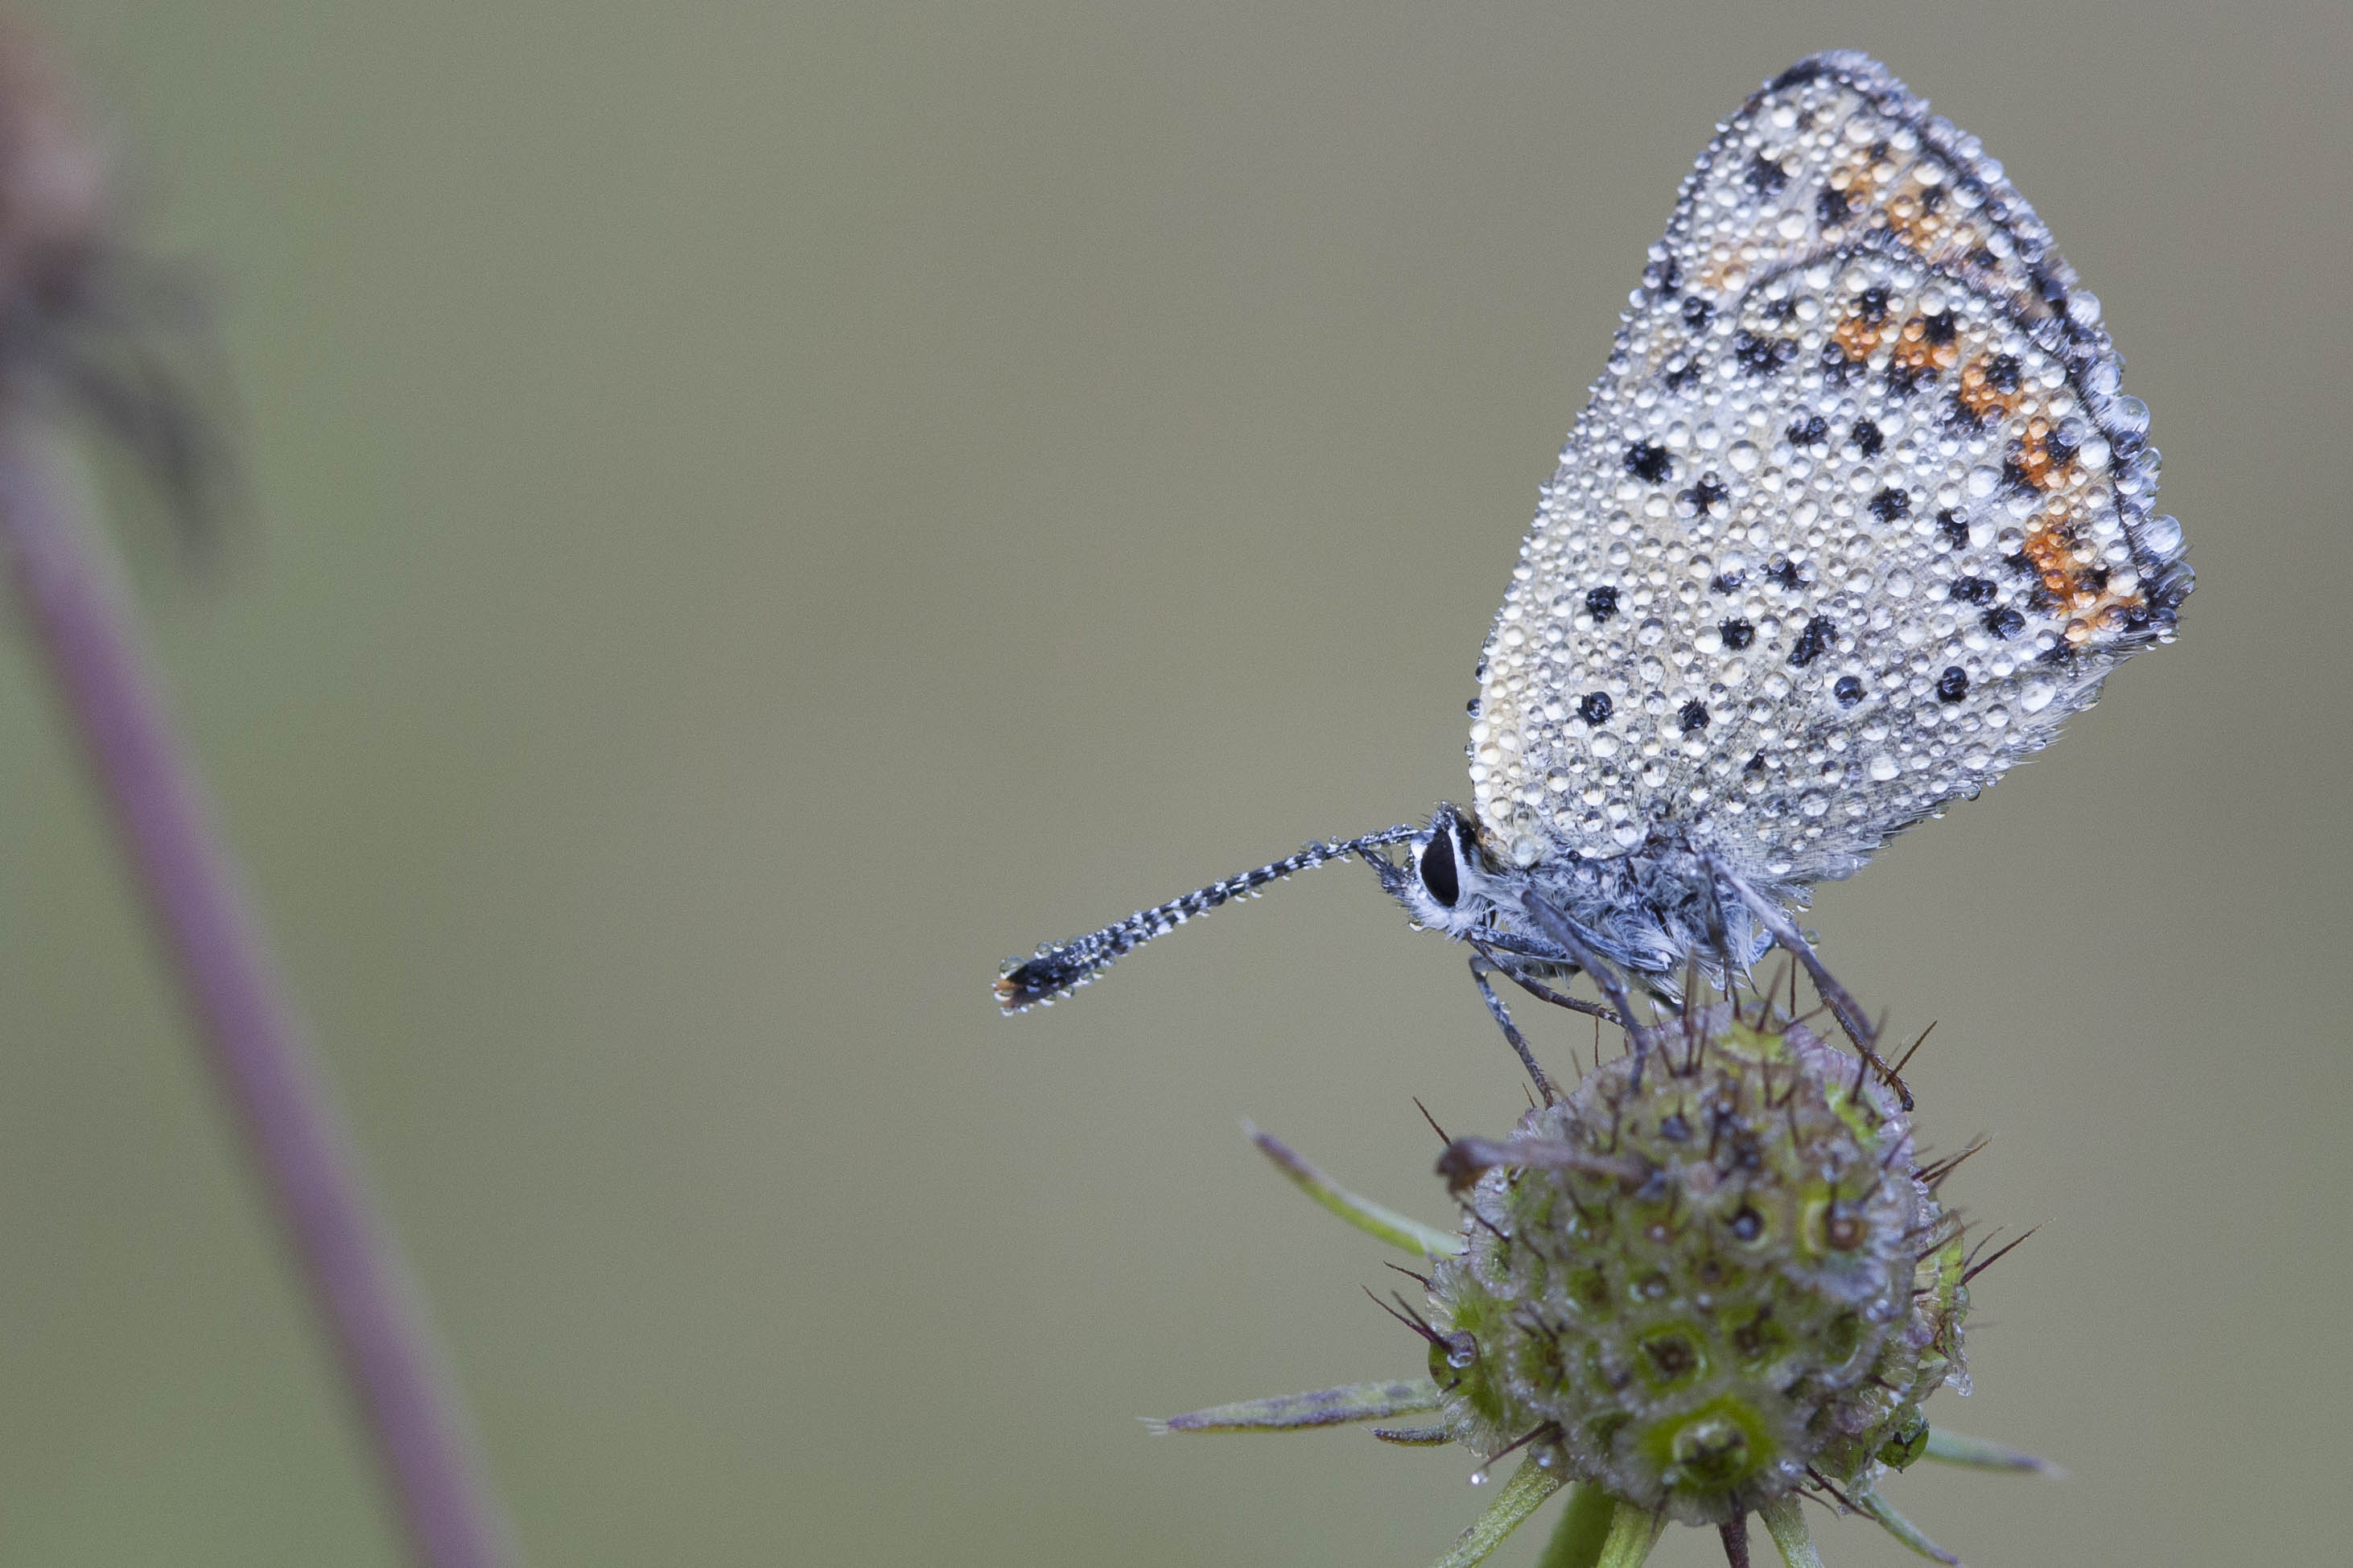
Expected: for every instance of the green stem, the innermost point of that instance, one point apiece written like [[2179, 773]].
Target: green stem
[[1632, 1533], [1902, 1529], [1374, 1219], [1584, 1528], [1788, 1528], [1520, 1495]]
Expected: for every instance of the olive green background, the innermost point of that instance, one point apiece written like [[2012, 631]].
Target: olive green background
[[761, 511]]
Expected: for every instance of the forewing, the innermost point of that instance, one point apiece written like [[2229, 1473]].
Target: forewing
[[1857, 515]]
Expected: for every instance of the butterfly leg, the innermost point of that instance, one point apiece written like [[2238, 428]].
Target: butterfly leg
[[1543, 992], [1483, 964], [1843, 1005], [1557, 927]]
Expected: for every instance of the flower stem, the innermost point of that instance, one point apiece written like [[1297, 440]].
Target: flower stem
[[1902, 1529], [75, 600], [1528, 1487], [1786, 1526], [1633, 1530], [1584, 1528]]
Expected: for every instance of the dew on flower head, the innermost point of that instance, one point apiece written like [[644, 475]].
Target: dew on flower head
[[1727, 1324]]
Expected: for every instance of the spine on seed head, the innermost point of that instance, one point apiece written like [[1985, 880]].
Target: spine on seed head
[[1704, 1281]]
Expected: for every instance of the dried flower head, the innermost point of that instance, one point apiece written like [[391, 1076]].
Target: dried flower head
[[93, 330]]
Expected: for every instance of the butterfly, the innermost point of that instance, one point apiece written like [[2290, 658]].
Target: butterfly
[[1857, 515]]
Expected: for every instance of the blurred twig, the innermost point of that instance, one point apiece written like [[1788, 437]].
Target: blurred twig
[[76, 604]]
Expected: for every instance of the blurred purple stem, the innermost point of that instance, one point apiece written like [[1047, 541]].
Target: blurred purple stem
[[77, 604]]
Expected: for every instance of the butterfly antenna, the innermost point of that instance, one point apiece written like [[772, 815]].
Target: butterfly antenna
[[1058, 968]]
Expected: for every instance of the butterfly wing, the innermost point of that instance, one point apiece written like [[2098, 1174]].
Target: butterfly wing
[[1857, 515]]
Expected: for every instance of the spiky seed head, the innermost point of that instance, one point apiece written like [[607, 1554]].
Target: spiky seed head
[[1715, 1269]]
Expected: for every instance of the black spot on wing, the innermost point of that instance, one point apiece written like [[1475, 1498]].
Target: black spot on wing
[[1706, 495], [1760, 355], [1813, 641], [1647, 461], [1764, 176], [1974, 590]]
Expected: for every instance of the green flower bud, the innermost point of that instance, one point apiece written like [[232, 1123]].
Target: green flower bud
[[1712, 1269]]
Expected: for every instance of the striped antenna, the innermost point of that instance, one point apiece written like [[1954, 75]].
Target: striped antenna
[[1056, 970]]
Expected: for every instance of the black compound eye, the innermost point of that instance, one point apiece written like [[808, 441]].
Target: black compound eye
[[1437, 874]]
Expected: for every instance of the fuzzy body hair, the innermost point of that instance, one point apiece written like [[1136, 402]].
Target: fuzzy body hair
[[1650, 911]]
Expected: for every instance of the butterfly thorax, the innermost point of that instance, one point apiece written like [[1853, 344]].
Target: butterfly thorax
[[1649, 909]]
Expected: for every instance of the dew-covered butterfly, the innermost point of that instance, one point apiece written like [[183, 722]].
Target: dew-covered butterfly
[[1859, 512]]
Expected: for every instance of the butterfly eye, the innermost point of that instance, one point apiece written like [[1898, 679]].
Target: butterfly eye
[[1438, 873]]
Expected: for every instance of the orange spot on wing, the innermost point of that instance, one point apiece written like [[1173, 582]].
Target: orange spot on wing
[[2074, 585], [1724, 277], [2034, 457], [2051, 551], [1916, 217], [1980, 397], [1858, 336], [1914, 351]]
